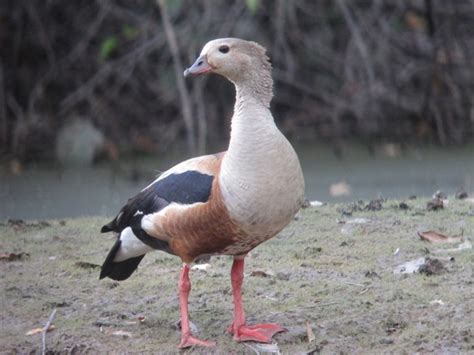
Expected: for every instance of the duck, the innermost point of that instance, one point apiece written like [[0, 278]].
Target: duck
[[218, 204]]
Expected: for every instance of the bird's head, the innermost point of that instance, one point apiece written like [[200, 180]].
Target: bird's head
[[233, 58]]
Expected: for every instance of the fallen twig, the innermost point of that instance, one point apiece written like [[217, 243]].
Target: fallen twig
[[45, 330], [353, 284], [326, 304]]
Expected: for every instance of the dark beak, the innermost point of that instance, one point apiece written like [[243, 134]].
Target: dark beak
[[200, 66]]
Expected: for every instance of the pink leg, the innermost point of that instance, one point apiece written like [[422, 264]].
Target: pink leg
[[259, 332], [187, 338]]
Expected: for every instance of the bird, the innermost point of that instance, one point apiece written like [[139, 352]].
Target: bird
[[218, 204]]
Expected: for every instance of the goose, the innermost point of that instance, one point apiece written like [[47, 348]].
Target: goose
[[219, 204]]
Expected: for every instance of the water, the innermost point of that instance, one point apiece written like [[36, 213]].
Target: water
[[46, 192]]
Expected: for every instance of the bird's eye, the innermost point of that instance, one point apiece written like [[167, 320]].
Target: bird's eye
[[224, 49]]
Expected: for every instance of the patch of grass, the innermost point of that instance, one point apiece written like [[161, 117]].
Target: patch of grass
[[323, 268]]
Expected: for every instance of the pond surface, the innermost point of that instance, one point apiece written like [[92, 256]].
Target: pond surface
[[42, 192]]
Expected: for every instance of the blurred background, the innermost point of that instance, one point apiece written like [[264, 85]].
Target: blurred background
[[376, 96]]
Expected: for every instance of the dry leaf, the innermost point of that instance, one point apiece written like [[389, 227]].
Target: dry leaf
[[34, 331], [40, 330], [309, 331], [437, 237]]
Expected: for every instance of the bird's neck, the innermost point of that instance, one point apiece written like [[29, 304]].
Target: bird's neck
[[252, 122], [253, 127], [256, 87], [254, 141]]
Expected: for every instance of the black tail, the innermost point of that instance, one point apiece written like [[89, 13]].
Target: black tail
[[121, 270]]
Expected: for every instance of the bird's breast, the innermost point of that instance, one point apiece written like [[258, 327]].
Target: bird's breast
[[262, 194]]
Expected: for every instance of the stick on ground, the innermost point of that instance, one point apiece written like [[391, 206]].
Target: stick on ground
[[45, 330]]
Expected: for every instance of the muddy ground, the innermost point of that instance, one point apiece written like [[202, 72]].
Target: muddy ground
[[331, 270]]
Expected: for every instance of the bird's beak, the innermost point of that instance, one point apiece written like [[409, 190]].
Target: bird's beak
[[200, 66]]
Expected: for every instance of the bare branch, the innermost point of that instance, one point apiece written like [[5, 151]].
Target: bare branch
[[359, 42], [186, 107], [129, 59]]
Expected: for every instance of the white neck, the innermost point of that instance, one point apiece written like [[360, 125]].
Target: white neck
[[258, 164], [252, 128]]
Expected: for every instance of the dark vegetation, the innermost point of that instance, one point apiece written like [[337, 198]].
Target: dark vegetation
[[401, 70]]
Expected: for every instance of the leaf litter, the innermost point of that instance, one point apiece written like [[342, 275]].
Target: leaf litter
[[434, 266], [35, 331], [437, 237]]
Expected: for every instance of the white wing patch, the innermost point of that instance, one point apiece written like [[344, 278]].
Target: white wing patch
[[130, 246], [151, 223]]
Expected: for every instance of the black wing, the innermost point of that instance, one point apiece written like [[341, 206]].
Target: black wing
[[185, 188]]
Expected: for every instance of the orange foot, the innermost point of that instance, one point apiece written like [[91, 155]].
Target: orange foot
[[188, 341], [262, 333]]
